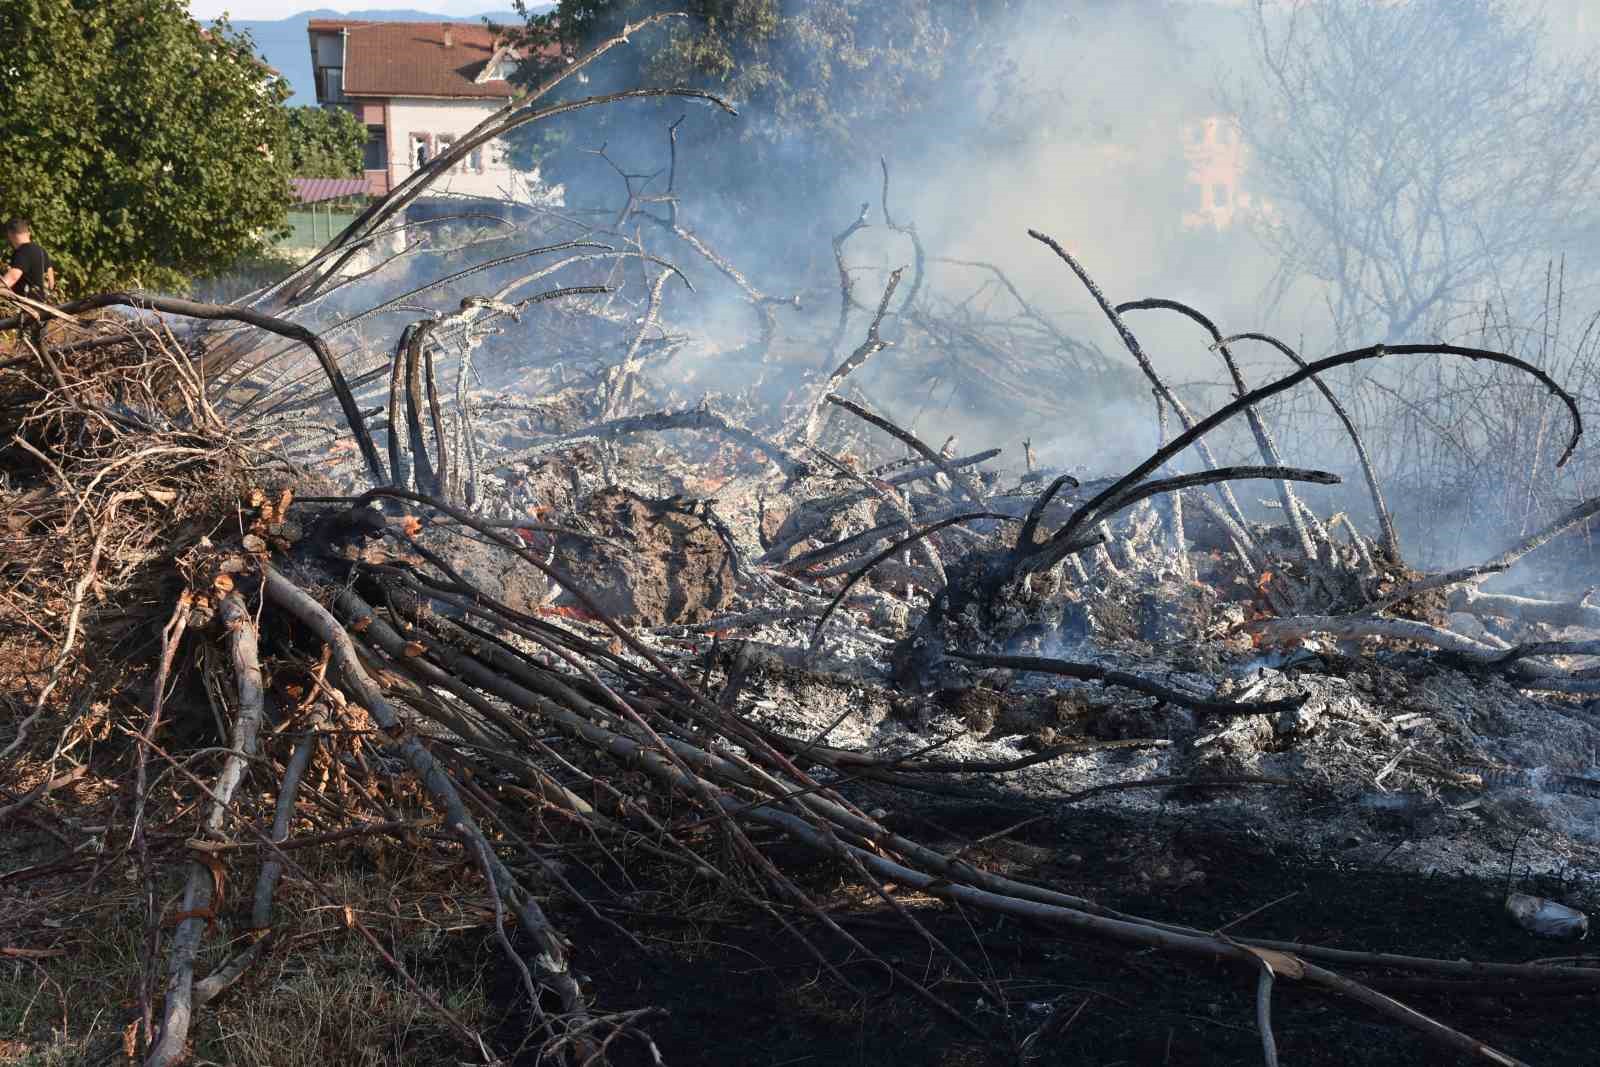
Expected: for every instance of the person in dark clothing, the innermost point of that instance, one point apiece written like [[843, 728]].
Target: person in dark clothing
[[30, 272]]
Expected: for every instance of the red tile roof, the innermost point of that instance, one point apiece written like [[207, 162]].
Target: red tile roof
[[410, 58], [315, 190]]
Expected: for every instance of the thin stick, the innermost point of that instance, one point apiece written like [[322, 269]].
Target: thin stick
[[170, 636], [871, 346], [1269, 1045], [1093, 673], [199, 907]]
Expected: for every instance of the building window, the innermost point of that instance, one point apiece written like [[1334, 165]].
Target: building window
[[421, 149], [330, 84], [475, 160], [376, 154], [446, 143], [1197, 197], [1219, 195]]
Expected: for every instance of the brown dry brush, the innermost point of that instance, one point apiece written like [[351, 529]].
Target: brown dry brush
[[162, 535]]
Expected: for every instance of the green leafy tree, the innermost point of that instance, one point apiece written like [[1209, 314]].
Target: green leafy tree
[[325, 143], [144, 148]]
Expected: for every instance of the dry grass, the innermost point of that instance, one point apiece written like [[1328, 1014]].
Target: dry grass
[[323, 998], [338, 1005]]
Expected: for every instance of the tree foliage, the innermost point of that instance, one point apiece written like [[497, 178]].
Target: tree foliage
[[1418, 152], [144, 148], [325, 143], [818, 84]]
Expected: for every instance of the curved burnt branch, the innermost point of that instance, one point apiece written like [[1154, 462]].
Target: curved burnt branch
[[604, 251], [1187, 481], [1089, 672], [1391, 540], [1035, 513], [1057, 549], [1310, 370], [1269, 449], [255, 298], [1131, 342]]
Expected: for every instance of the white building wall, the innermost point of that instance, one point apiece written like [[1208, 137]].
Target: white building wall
[[439, 121]]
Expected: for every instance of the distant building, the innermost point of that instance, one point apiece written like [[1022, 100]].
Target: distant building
[[1215, 193], [418, 87]]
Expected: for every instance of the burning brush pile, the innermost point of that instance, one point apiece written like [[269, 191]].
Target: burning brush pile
[[479, 567]]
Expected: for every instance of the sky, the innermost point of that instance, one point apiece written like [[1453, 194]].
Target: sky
[[281, 9]]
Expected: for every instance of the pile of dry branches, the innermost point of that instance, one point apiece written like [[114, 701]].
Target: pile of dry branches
[[330, 623]]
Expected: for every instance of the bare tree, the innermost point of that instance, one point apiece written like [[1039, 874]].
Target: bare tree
[[1417, 152]]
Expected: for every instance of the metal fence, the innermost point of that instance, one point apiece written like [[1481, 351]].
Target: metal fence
[[314, 226]]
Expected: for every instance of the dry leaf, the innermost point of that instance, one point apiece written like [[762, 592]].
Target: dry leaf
[[359, 626], [410, 525], [252, 543], [414, 649], [349, 917], [257, 498], [219, 879], [223, 584], [1279, 963]]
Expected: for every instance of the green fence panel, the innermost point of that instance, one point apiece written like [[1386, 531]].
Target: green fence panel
[[312, 228]]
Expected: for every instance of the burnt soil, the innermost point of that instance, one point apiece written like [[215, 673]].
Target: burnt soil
[[739, 990]]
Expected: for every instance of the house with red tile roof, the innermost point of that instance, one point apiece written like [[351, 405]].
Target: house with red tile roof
[[418, 86]]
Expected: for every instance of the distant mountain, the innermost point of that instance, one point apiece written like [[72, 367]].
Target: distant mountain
[[284, 45]]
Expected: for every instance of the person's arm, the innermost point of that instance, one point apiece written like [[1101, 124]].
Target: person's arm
[[11, 277]]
